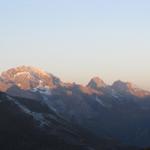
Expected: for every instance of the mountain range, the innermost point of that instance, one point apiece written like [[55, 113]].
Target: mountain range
[[39, 111]]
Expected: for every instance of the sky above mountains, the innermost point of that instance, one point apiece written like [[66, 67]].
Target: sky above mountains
[[77, 40]]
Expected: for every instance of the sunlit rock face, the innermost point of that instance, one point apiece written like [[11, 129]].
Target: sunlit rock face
[[27, 77], [96, 83], [127, 87]]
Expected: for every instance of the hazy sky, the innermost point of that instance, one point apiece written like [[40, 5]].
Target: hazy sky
[[78, 39]]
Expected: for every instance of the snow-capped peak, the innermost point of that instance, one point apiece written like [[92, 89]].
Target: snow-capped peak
[[27, 77]]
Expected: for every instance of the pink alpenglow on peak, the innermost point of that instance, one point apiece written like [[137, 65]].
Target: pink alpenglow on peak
[[26, 77], [96, 83], [29, 78]]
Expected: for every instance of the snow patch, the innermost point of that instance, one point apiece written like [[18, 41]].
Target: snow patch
[[47, 102], [43, 91], [114, 94], [37, 116], [100, 101], [22, 73]]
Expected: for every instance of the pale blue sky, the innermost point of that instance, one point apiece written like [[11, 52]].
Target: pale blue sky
[[78, 39]]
